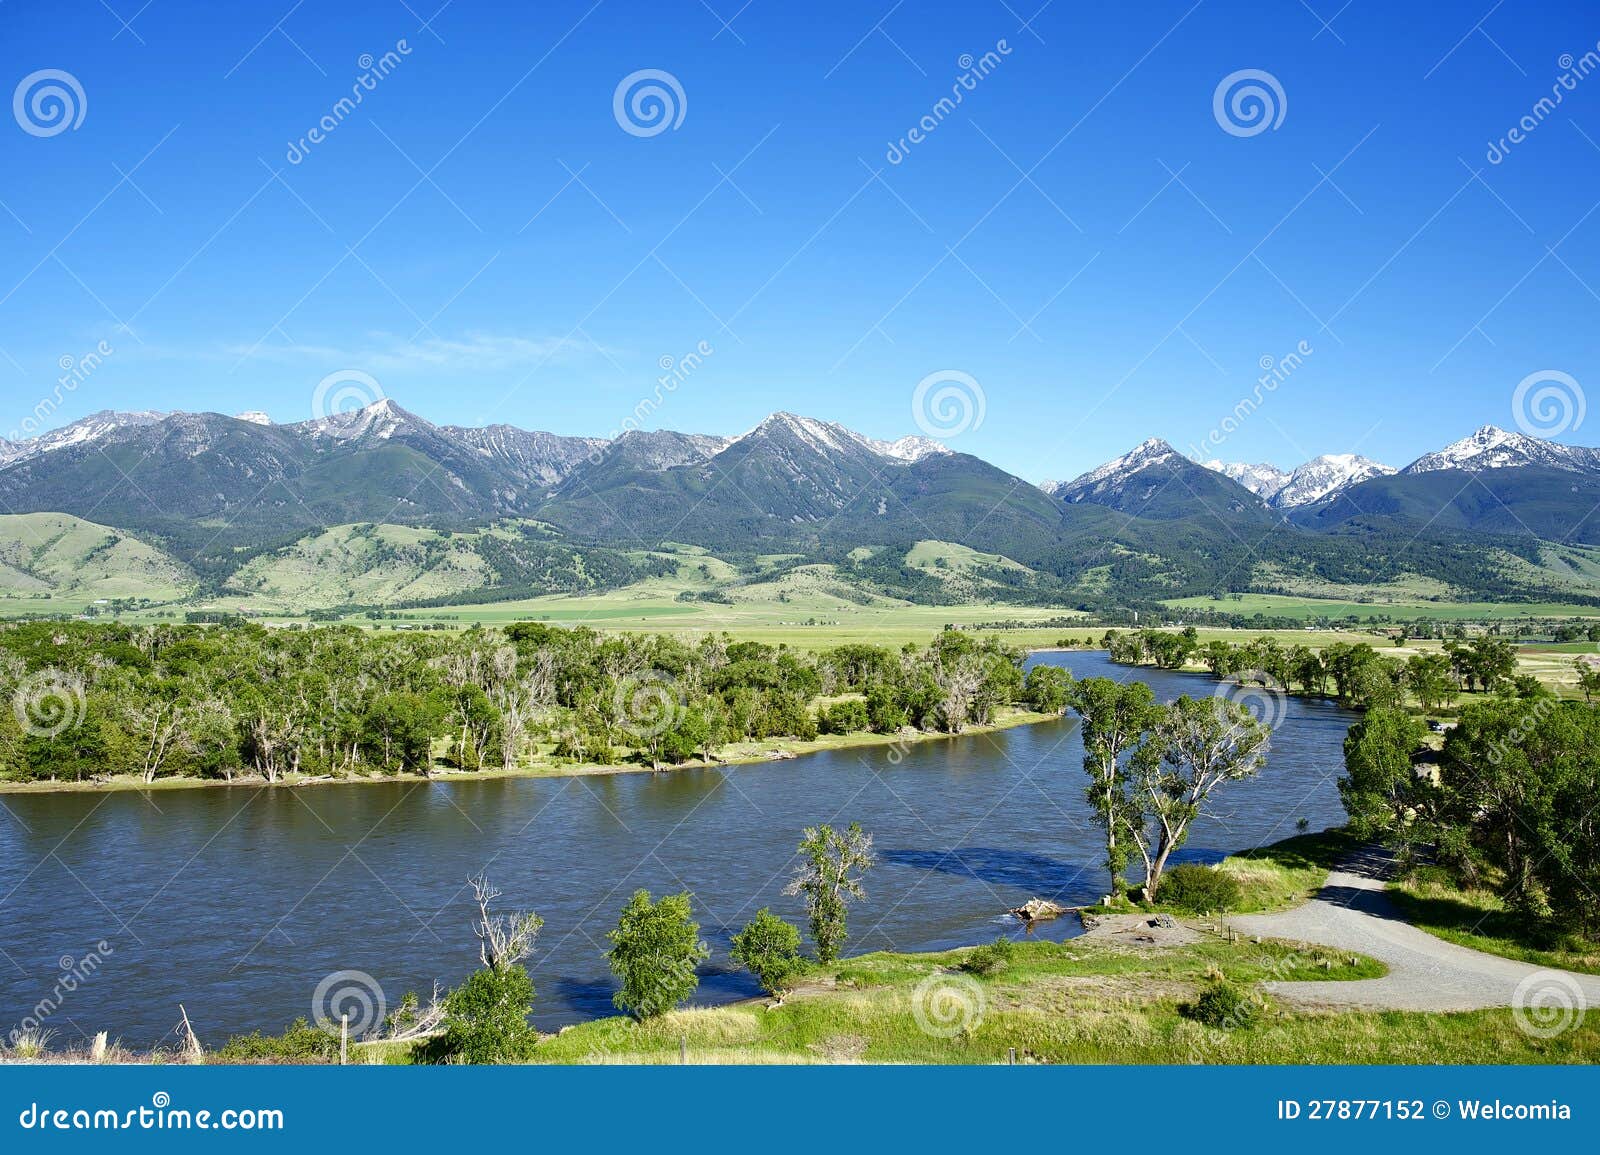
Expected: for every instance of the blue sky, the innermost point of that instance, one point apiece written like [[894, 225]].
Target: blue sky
[[1080, 236]]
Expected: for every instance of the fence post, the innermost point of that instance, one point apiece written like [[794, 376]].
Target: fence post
[[344, 1039], [683, 1049], [1011, 1056]]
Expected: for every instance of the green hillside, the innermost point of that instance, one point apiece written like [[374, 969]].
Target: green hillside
[[54, 562]]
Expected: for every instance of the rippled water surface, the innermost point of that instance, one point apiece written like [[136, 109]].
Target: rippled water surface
[[237, 902]]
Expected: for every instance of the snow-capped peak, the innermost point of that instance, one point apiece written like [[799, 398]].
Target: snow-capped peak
[[1147, 453], [87, 429], [1324, 476], [1494, 448], [382, 419], [1261, 479], [253, 416], [830, 437], [912, 448]]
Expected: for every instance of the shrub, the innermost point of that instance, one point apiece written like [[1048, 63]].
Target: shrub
[[1198, 889], [986, 960], [847, 717], [769, 948], [300, 1043], [1223, 1005], [654, 951], [486, 1019]]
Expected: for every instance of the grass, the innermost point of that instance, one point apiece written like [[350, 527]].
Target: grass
[[1286, 873], [1083, 1001], [1476, 918], [1388, 604]]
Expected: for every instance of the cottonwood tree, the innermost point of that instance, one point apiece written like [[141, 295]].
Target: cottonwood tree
[[1116, 716], [830, 878], [1380, 789], [654, 951], [1195, 745], [504, 940]]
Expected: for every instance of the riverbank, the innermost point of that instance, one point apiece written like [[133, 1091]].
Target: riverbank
[[736, 754]]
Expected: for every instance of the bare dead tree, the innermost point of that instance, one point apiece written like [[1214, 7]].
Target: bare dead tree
[[503, 939]]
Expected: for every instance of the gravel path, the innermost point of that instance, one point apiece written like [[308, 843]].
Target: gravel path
[[1353, 913]]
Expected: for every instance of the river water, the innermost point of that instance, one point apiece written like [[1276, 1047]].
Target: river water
[[237, 903]]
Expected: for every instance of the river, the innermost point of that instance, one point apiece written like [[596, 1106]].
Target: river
[[237, 902]]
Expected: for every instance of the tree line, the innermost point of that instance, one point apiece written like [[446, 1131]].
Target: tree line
[[223, 701]]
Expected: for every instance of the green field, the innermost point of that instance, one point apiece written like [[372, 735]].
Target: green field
[[1312, 608]]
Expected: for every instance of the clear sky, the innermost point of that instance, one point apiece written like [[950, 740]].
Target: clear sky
[[1080, 234]]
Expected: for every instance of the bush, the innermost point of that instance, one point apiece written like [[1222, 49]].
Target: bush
[[654, 951], [769, 948], [986, 960], [1198, 889], [848, 717], [486, 1020], [300, 1043], [1221, 1004]]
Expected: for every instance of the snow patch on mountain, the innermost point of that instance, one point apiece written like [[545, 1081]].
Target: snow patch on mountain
[[1494, 448], [1261, 479], [1142, 456], [1323, 477]]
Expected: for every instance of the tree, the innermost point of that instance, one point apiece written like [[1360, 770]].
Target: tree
[[1428, 678], [829, 876], [1380, 789], [1116, 717], [1588, 678], [654, 951], [504, 940], [486, 1019], [1048, 689], [1194, 747], [769, 948]]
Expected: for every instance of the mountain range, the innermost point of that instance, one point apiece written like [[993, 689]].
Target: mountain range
[[1497, 514]]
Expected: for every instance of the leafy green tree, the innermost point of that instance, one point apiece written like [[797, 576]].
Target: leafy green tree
[[830, 878], [1195, 746], [1116, 717], [1428, 679], [654, 951], [1048, 689], [769, 948], [1381, 790], [486, 1019]]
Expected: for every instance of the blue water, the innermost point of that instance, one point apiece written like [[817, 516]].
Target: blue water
[[237, 902]]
